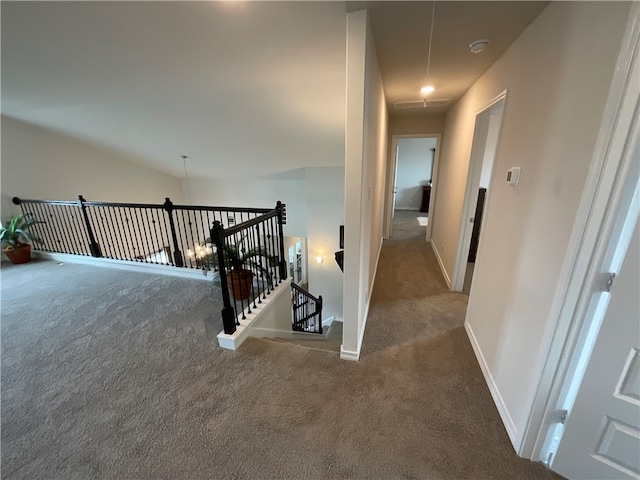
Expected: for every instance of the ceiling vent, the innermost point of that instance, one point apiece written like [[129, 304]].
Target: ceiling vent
[[421, 104]]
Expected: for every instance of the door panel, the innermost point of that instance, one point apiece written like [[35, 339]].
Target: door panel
[[602, 432]]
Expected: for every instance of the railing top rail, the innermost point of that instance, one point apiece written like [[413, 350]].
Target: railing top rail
[[250, 223], [18, 201], [299, 289], [120, 205], [223, 209]]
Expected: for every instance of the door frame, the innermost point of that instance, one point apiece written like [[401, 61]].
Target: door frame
[[611, 168], [478, 146], [391, 176]]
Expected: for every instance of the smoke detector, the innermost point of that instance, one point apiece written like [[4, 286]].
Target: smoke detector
[[479, 46]]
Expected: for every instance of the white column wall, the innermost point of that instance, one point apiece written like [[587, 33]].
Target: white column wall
[[366, 144]]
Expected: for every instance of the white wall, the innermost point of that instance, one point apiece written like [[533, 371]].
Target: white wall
[[415, 124], [43, 164], [325, 214], [415, 160], [553, 110], [366, 152], [261, 192]]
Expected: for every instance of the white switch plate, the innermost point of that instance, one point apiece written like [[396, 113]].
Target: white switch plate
[[513, 175]]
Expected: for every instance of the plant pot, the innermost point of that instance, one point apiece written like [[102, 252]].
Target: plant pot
[[239, 283], [19, 254]]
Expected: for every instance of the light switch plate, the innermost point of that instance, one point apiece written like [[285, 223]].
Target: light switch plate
[[513, 176]]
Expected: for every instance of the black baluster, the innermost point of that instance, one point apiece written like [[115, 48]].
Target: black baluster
[[218, 238], [177, 254], [281, 220], [93, 245]]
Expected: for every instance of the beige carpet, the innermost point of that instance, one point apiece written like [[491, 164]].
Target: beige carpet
[[109, 374]]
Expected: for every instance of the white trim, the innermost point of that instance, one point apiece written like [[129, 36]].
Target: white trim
[[609, 171], [434, 191], [349, 354], [509, 425], [441, 263], [471, 190], [391, 176], [130, 266], [245, 329]]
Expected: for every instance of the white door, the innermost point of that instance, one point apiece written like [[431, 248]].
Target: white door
[[395, 187], [395, 190], [601, 439]]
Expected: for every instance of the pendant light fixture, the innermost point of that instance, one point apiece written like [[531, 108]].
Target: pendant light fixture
[[186, 176], [426, 90]]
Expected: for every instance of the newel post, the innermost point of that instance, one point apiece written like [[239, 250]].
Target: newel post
[[228, 316], [93, 245], [282, 219], [177, 254]]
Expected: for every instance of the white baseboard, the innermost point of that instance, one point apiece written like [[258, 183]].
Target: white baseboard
[[130, 266], [349, 355], [447, 279], [509, 425], [366, 311]]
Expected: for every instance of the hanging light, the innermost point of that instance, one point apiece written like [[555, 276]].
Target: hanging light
[[427, 89], [186, 176]]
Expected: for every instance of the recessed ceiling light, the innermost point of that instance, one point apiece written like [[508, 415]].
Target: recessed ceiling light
[[479, 45], [426, 90]]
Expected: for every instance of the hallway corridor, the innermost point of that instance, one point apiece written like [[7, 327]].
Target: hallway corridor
[[410, 298]]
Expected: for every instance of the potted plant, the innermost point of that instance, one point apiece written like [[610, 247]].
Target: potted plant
[[240, 263], [15, 237]]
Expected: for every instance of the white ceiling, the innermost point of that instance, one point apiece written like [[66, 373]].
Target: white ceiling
[[236, 86]]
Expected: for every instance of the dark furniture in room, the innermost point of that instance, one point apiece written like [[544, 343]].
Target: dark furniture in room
[[426, 198]]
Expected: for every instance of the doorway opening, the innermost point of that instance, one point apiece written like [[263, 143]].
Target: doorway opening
[[412, 171], [483, 150]]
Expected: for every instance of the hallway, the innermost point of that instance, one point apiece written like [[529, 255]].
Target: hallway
[[410, 298], [416, 339]]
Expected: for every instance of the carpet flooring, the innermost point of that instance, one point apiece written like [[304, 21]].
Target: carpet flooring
[[108, 374]]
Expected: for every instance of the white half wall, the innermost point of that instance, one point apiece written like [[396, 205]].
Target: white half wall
[[415, 161], [553, 110], [42, 164], [366, 148]]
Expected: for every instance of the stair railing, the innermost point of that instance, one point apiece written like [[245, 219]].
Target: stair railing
[[306, 311], [251, 263]]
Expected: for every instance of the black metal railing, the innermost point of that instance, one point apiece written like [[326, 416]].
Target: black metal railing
[[245, 245], [164, 234], [251, 263], [306, 311]]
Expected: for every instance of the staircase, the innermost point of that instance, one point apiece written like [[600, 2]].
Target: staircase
[[331, 340]]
